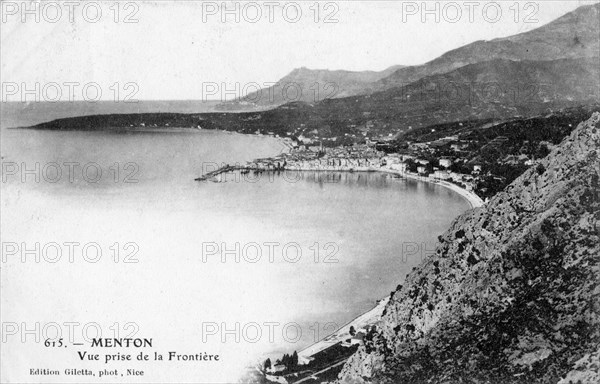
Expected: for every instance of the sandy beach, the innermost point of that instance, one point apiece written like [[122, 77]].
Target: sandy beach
[[471, 197], [474, 200]]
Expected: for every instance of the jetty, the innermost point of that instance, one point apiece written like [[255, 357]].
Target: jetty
[[224, 169]]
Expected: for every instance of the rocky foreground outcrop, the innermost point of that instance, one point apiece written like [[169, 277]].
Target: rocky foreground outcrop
[[512, 292]]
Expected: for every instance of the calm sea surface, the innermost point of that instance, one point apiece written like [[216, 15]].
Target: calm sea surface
[[304, 249]]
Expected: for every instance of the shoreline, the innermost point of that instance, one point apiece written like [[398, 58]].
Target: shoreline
[[286, 147], [474, 200], [342, 333]]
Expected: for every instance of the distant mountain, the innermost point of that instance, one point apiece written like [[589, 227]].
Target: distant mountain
[[574, 35], [311, 86], [510, 294], [497, 90], [500, 83]]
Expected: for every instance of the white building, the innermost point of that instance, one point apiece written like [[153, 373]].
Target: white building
[[442, 175], [392, 159], [303, 360], [400, 167], [446, 163], [277, 368]]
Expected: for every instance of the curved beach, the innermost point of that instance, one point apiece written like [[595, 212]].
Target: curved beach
[[471, 197]]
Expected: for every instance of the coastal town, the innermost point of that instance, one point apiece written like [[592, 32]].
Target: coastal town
[[474, 158], [362, 158], [418, 162], [368, 158]]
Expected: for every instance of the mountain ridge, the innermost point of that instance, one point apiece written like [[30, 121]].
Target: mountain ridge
[[571, 36], [468, 93], [496, 89], [315, 85]]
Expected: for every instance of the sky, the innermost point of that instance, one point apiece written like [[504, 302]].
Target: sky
[[177, 50]]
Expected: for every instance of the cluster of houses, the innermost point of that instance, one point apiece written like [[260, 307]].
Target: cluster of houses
[[364, 158], [318, 158], [399, 163]]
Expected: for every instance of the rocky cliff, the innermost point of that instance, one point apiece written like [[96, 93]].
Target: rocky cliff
[[511, 294]]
